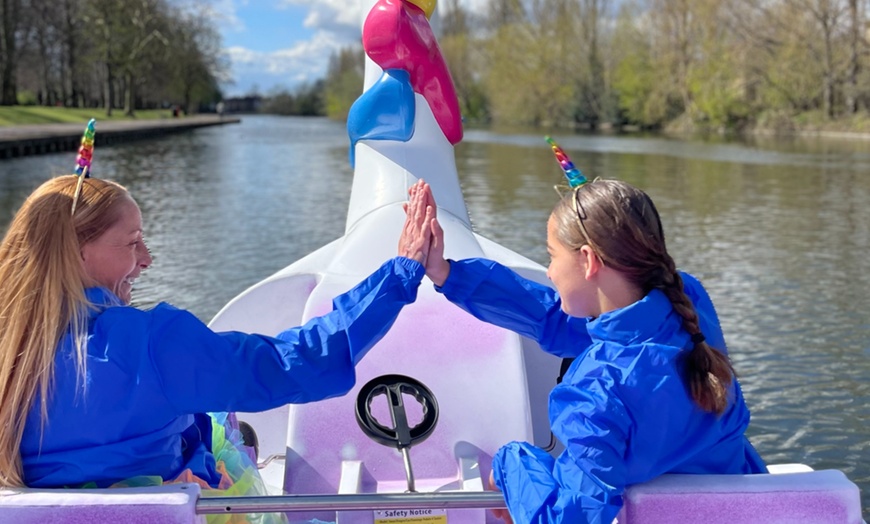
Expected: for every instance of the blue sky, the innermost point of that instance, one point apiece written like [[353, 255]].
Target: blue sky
[[281, 43]]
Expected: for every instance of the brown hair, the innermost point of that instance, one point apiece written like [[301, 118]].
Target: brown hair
[[622, 225], [42, 283]]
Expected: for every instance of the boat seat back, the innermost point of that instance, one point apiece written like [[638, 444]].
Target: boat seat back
[[476, 371], [824, 496], [171, 504]]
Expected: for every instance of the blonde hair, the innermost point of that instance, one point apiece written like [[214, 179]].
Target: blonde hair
[[42, 283], [621, 224]]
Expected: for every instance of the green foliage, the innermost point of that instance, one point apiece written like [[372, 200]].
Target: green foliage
[[344, 81], [307, 100], [26, 98], [511, 75], [718, 96], [194, 59], [280, 102], [135, 54], [687, 64], [633, 81], [645, 89], [463, 58], [790, 80], [527, 82], [717, 88]]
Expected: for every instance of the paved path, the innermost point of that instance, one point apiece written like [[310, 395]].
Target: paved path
[[49, 138]]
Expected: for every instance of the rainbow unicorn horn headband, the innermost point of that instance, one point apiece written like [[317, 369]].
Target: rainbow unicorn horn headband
[[83, 160], [574, 176]]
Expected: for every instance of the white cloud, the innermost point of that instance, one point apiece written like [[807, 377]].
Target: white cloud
[[304, 62], [222, 12], [345, 17], [342, 18]]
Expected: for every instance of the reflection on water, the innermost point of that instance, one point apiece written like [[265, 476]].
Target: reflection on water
[[778, 231]]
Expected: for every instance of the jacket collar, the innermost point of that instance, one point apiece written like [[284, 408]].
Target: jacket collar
[[634, 323], [100, 299]]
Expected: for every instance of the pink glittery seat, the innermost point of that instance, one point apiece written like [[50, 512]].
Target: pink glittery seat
[[171, 504], [825, 496]]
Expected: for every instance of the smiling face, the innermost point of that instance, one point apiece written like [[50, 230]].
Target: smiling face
[[567, 271], [116, 258]]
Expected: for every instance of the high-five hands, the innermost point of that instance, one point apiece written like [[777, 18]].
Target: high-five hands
[[414, 243], [421, 202]]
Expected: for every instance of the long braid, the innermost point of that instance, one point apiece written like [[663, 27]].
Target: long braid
[[622, 225], [708, 372]]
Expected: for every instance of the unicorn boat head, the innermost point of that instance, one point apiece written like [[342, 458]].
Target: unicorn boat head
[[491, 385]]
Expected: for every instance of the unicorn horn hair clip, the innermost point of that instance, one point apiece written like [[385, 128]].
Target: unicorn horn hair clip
[[572, 174], [83, 160]]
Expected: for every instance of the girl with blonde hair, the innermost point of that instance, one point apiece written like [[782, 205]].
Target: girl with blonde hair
[[95, 392]]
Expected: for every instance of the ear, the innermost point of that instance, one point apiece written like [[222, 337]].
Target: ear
[[592, 261]]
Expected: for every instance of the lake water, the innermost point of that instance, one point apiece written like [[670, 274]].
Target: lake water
[[779, 232]]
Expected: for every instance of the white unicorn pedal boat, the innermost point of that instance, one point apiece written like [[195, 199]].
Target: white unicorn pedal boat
[[478, 386]]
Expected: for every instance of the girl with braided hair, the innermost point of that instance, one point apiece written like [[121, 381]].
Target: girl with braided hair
[[650, 390]]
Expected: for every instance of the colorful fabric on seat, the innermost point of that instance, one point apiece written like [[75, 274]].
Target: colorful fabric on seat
[[239, 476]]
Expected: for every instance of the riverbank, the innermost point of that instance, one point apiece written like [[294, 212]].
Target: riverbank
[[25, 140], [779, 125], [33, 115]]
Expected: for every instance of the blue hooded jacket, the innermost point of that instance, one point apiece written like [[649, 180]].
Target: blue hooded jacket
[[150, 374], [622, 409]]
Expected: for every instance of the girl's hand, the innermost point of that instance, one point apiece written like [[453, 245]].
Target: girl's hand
[[437, 268], [415, 240], [501, 513]]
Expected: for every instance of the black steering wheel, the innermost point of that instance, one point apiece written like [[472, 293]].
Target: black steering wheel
[[393, 386]]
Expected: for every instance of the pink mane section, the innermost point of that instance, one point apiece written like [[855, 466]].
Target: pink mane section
[[397, 35]]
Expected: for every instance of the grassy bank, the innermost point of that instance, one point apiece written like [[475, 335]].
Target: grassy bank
[[779, 124], [28, 115]]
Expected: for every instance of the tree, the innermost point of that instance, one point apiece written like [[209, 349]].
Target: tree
[[827, 14], [124, 31], [344, 81], [593, 88], [856, 42], [717, 80], [43, 35], [194, 55], [800, 50], [70, 11], [10, 18], [505, 13], [136, 55], [645, 76], [461, 51], [634, 77]]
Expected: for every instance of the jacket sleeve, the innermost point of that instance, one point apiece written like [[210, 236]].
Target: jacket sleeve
[[200, 370], [496, 294], [586, 482]]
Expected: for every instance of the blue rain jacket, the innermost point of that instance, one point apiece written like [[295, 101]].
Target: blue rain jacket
[[149, 373], [622, 410]]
